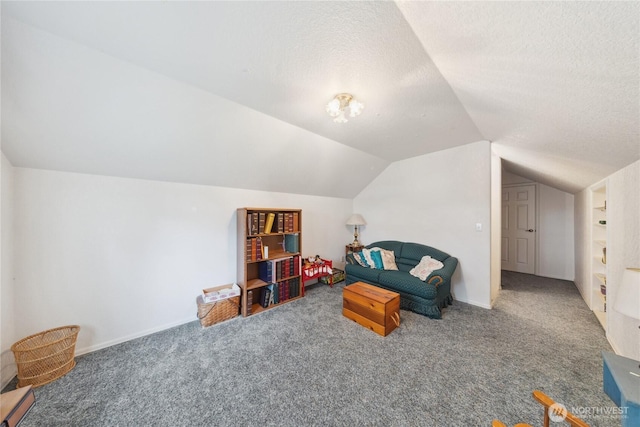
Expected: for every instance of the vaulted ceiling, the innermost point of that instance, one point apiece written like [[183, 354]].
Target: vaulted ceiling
[[233, 93]]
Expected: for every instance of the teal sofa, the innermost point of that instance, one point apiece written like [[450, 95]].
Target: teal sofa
[[427, 297]]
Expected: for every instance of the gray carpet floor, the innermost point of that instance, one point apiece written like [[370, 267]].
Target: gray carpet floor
[[305, 364]]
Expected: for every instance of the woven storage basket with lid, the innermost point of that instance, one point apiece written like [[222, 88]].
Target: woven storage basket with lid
[[45, 356], [217, 311]]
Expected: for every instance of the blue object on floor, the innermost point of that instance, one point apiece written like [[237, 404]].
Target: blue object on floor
[[621, 378]]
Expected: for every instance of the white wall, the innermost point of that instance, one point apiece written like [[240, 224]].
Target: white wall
[[7, 313], [124, 257], [555, 229], [496, 225], [623, 251], [556, 255], [437, 199]]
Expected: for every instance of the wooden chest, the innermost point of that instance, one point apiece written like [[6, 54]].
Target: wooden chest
[[372, 307]]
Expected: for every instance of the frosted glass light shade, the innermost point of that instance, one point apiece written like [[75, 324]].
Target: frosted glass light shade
[[628, 295], [355, 107], [337, 107], [333, 108]]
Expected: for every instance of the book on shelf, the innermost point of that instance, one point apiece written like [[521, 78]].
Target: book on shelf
[[266, 271], [265, 294], [288, 222], [269, 222], [254, 223], [261, 222], [280, 222], [259, 249], [296, 221], [272, 295], [275, 293], [249, 301], [296, 265], [291, 243], [253, 250]]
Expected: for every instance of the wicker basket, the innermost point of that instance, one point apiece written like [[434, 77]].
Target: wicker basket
[[218, 311], [45, 356]]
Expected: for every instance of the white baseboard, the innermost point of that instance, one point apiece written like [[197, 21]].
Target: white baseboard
[[548, 276], [616, 350], [477, 304], [10, 371], [106, 344]]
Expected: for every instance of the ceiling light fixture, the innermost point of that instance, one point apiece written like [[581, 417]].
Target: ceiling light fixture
[[336, 108]]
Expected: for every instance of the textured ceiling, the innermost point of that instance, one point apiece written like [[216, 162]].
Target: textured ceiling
[[554, 85], [233, 93]]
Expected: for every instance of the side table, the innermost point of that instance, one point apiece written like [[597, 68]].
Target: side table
[[350, 248]]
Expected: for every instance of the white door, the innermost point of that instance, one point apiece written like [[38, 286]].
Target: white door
[[519, 228]]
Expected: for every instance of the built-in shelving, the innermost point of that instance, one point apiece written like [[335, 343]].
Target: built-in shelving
[[599, 247]]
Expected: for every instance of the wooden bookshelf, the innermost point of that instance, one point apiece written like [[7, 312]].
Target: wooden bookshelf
[[277, 268]]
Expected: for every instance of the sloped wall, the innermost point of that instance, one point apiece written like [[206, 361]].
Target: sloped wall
[[437, 199], [125, 257], [7, 319]]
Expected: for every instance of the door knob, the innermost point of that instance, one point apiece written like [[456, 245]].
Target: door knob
[[531, 230]]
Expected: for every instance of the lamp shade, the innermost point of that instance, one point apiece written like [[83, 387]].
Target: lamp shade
[[628, 295], [356, 219]]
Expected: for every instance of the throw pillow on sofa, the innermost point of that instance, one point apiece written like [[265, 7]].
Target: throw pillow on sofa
[[369, 258], [360, 259], [388, 259], [425, 267], [376, 257]]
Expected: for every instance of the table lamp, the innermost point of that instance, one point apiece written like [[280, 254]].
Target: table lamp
[[356, 220]]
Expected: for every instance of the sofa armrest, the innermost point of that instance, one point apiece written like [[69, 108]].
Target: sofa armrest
[[350, 259], [438, 277]]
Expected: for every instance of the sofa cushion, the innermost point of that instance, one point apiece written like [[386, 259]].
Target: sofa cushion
[[412, 253], [390, 245], [366, 274], [404, 282]]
